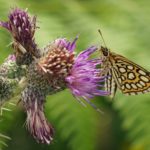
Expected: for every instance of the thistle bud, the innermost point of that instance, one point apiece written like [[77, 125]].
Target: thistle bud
[[7, 87], [9, 69], [22, 28], [37, 124]]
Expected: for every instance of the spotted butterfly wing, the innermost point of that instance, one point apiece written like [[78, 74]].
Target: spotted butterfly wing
[[124, 74], [110, 84]]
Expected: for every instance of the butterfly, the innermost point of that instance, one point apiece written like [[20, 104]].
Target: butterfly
[[123, 74]]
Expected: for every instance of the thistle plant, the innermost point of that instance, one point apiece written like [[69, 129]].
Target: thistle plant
[[48, 71]]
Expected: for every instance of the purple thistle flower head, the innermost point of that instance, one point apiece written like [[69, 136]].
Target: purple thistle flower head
[[58, 58], [37, 124], [20, 25], [22, 28], [62, 69], [84, 79]]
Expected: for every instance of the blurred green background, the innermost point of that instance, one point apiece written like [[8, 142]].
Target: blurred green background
[[125, 124]]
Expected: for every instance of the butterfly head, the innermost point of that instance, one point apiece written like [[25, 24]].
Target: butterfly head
[[104, 51]]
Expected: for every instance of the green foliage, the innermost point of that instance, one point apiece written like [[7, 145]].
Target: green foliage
[[134, 111], [70, 118], [125, 123]]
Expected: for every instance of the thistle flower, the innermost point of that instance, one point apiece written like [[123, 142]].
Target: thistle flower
[[48, 73], [63, 70], [22, 28], [83, 79], [37, 124]]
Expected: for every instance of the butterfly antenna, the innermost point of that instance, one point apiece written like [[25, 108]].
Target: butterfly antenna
[[102, 37]]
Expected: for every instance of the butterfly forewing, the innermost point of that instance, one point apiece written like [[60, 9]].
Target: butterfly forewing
[[129, 77]]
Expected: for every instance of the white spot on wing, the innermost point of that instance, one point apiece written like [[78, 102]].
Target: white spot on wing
[[144, 78], [119, 79], [142, 72], [123, 77], [122, 70], [131, 75], [127, 85], [139, 85], [122, 87], [142, 83], [130, 67], [134, 86]]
